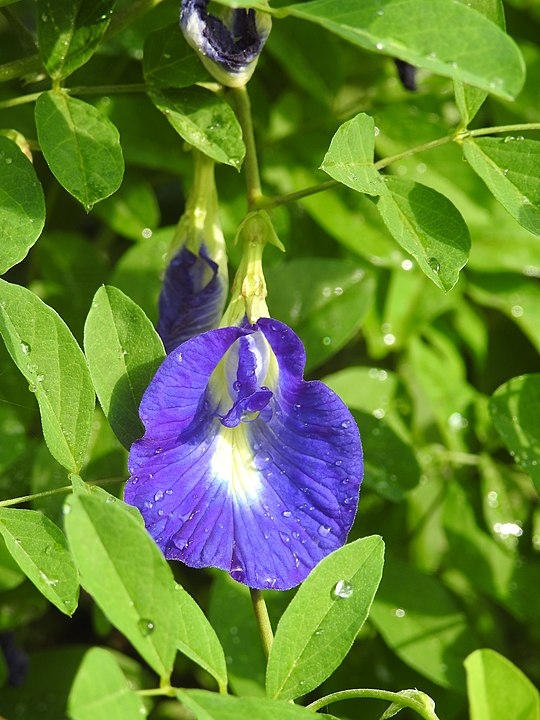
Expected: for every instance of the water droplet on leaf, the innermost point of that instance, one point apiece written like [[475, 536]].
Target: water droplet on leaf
[[342, 589], [146, 626]]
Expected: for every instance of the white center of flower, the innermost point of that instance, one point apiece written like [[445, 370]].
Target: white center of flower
[[232, 462]]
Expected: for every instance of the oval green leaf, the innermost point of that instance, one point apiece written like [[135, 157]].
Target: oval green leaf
[[205, 121], [48, 356], [40, 549], [124, 352], [498, 690], [22, 202], [81, 147], [428, 226], [126, 574], [319, 626], [443, 36], [101, 691], [510, 167]]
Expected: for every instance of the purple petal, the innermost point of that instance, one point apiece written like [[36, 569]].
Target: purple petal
[[264, 498], [192, 298]]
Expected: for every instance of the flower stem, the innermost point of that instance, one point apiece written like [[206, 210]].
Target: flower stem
[[55, 491], [251, 165], [263, 621], [398, 698]]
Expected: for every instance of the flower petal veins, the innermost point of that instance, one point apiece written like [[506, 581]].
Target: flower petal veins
[[245, 466]]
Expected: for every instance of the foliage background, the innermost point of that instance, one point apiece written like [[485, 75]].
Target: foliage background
[[451, 461]]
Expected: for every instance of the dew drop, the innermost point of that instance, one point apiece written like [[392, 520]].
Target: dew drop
[[286, 513], [399, 612], [327, 340], [159, 496], [25, 348], [434, 264], [32, 388], [346, 423], [284, 537], [146, 626], [324, 530], [342, 589]]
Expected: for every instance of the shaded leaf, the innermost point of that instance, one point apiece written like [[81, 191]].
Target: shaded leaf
[[81, 147], [319, 626], [22, 202], [40, 549], [69, 31], [51, 361], [124, 352], [510, 167], [169, 61], [514, 410]]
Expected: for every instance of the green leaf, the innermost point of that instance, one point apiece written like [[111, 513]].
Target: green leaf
[[81, 147], [428, 226], [22, 203], [169, 61], [40, 549], [100, 690], [133, 210], [470, 99], [69, 32], [10, 571], [51, 361], [514, 410], [205, 121], [498, 690], [126, 574], [325, 301], [443, 36], [349, 159], [319, 626], [211, 706], [423, 624], [124, 352], [391, 468], [510, 168]]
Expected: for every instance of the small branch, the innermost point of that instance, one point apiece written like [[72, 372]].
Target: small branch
[[55, 491], [20, 68], [251, 165], [392, 697], [263, 621]]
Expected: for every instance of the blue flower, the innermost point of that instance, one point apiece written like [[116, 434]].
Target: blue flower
[[195, 286], [229, 48], [244, 465], [192, 297]]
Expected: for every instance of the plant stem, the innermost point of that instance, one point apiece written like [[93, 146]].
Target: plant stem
[[392, 697], [55, 491], [19, 68], [251, 165], [81, 90], [263, 621], [519, 127]]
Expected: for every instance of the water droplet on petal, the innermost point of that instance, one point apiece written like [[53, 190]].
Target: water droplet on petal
[[342, 589], [346, 423], [324, 530], [286, 513], [159, 495]]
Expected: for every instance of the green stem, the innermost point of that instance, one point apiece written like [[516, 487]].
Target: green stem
[[55, 491], [82, 90], [251, 165], [392, 697], [519, 127], [263, 621]]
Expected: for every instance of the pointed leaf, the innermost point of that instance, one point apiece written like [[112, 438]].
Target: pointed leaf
[[443, 36], [205, 121], [498, 690], [40, 549], [124, 352], [349, 159], [510, 167], [319, 626], [101, 691], [514, 410], [22, 202], [126, 574], [47, 355], [69, 31], [211, 706], [428, 226], [81, 147]]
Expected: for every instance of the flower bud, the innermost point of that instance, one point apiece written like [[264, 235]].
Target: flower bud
[[228, 46]]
